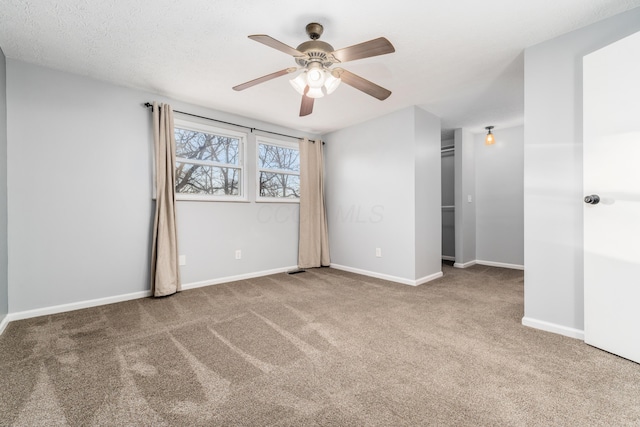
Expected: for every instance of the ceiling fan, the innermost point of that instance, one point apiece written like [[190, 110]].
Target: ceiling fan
[[316, 57]]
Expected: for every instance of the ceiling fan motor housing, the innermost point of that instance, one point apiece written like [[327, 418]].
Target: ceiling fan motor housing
[[315, 51]]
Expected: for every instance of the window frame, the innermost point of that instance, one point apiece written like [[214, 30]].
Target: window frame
[[277, 143], [180, 123]]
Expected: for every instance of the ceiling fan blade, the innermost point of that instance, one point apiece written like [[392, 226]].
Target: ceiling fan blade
[[263, 79], [306, 107], [362, 84], [375, 47], [271, 42]]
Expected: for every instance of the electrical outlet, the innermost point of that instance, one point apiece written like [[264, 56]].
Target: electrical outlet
[[182, 260], [378, 252], [238, 254], [469, 199]]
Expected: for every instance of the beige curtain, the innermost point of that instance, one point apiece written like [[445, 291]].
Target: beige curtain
[[165, 273], [313, 244]]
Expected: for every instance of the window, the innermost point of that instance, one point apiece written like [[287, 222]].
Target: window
[[209, 162], [278, 172]]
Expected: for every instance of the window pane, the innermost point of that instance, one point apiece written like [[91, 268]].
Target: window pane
[[274, 157], [279, 185], [199, 179], [203, 146]]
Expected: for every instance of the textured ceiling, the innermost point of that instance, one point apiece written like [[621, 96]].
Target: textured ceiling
[[462, 60]]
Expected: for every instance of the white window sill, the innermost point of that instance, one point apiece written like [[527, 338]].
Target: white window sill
[[198, 198], [276, 200]]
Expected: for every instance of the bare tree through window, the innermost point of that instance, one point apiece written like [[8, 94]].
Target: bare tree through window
[[279, 171], [207, 164]]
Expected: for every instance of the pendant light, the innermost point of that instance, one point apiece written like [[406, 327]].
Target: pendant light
[[489, 140]]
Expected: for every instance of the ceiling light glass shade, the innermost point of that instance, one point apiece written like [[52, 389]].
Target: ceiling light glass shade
[[299, 83], [315, 77], [315, 92], [490, 139], [331, 83]]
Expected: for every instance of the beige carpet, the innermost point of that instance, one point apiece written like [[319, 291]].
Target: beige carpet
[[323, 348]]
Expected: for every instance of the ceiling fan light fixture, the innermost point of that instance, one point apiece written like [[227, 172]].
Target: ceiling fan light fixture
[[299, 83], [315, 92], [331, 83], [315, 75]]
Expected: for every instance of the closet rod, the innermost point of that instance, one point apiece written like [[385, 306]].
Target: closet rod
[[149, 105]]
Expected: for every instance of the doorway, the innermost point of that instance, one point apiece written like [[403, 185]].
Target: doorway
[[447, 180]]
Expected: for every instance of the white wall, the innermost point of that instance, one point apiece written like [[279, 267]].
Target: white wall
[[4, 278], [376, 195], [553, 173], [465, 187], [80, 197], [499, 198]]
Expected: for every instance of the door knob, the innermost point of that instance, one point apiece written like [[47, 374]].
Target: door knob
[[593, 199]]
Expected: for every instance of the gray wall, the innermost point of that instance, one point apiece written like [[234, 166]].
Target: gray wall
[[80, 197], [499, 197], [4, 278], [553, 172], [465, 186], [428, 189], [372, 194]]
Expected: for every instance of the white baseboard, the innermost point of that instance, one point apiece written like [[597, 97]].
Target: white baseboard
[[448, 258], [227, 279], [387, 276], [500, 264], [27, 314], [3, 324], [553, 327], [428, 278], [489, 264], [464, 265]]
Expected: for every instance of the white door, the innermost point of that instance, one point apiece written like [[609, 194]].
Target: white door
[[612, 172]]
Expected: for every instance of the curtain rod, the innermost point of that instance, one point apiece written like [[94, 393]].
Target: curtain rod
[[149, 105]]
